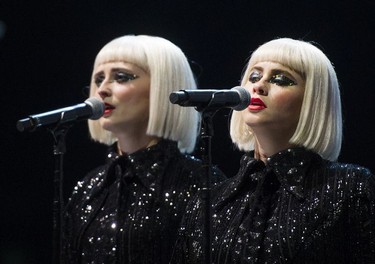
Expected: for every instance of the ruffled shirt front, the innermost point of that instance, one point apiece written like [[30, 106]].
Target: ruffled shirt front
[[129, 210], [297, 208]]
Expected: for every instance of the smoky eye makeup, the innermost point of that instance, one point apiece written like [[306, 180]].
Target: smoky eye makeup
[[255, 76], [281, 80], [98, 79], [122, 77], [116, 76]]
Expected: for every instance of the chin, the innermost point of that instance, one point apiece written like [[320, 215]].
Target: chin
[[253, 121], [106, 124]]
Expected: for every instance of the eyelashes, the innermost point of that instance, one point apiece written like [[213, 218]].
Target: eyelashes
[[278, 79], [98, 80], [119, 77], [281, 80], [122, 77]]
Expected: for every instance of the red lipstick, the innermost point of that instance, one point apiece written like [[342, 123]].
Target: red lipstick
[[108, 109], [256, 104]]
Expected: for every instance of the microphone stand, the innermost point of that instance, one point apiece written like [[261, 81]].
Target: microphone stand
[[207, 132], [59, 149], [58, 123]]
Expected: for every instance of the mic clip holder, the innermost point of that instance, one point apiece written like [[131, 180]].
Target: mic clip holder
[[217, 101]]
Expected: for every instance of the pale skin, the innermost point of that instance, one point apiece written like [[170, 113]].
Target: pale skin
[[281, 89], [125, 90]]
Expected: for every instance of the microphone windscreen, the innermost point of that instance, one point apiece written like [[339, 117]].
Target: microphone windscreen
[[97, 107], [244, 98]]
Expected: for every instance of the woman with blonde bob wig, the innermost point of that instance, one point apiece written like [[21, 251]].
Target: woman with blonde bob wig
[[129, 210], [169, 70], [291, 200], [320, 122]]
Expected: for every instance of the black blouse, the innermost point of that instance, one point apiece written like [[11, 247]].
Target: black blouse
[[129, 210], [297, 208]]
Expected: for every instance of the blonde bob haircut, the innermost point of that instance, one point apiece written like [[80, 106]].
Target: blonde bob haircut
[[169, 71], [320, 123]]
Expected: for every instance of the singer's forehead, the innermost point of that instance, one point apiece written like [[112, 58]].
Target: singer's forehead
[[285, 56], [122, 53], [274, 67], [116, 66]]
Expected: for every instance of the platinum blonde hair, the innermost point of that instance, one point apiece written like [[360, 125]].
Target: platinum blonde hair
[[169, 71], [320, 123]]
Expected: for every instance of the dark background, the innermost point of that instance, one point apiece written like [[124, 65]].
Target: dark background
[[47, 49]]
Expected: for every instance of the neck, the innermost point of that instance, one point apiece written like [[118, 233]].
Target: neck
[[129, 144], [267, 145]]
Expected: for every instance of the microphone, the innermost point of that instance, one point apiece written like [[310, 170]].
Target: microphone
[[237, 98], [92, 108]]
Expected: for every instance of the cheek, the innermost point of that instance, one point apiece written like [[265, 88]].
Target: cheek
[[123, 94], [134, 99], [288, 102]]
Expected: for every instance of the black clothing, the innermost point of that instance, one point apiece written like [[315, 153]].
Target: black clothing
[[297, 208], [129, 210]]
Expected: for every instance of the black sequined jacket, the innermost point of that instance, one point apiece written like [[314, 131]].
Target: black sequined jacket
[[298, 208], [129, 210]]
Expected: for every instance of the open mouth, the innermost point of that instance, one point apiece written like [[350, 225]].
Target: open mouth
[[257, 102], [108, 108]]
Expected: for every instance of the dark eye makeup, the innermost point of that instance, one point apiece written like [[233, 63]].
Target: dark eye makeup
[[117, 76], [99, 79], [255, 77], [122, 77], [279, 79]]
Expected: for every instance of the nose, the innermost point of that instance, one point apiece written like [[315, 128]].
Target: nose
[[260, 88], [104, 90]]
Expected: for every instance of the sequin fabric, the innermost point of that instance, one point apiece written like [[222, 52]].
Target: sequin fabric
[[297, 208], [129, 210]]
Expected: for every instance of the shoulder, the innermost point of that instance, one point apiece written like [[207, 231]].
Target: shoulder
[[195, 167], [186, 161], [356, 178], [349, 171]]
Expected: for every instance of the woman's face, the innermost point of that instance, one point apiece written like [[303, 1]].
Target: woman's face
[[276, 98], [125, 90]]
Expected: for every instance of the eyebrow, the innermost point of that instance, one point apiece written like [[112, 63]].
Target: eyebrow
[[287, 71], [273, 71], [115, 70], [122, 69]]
